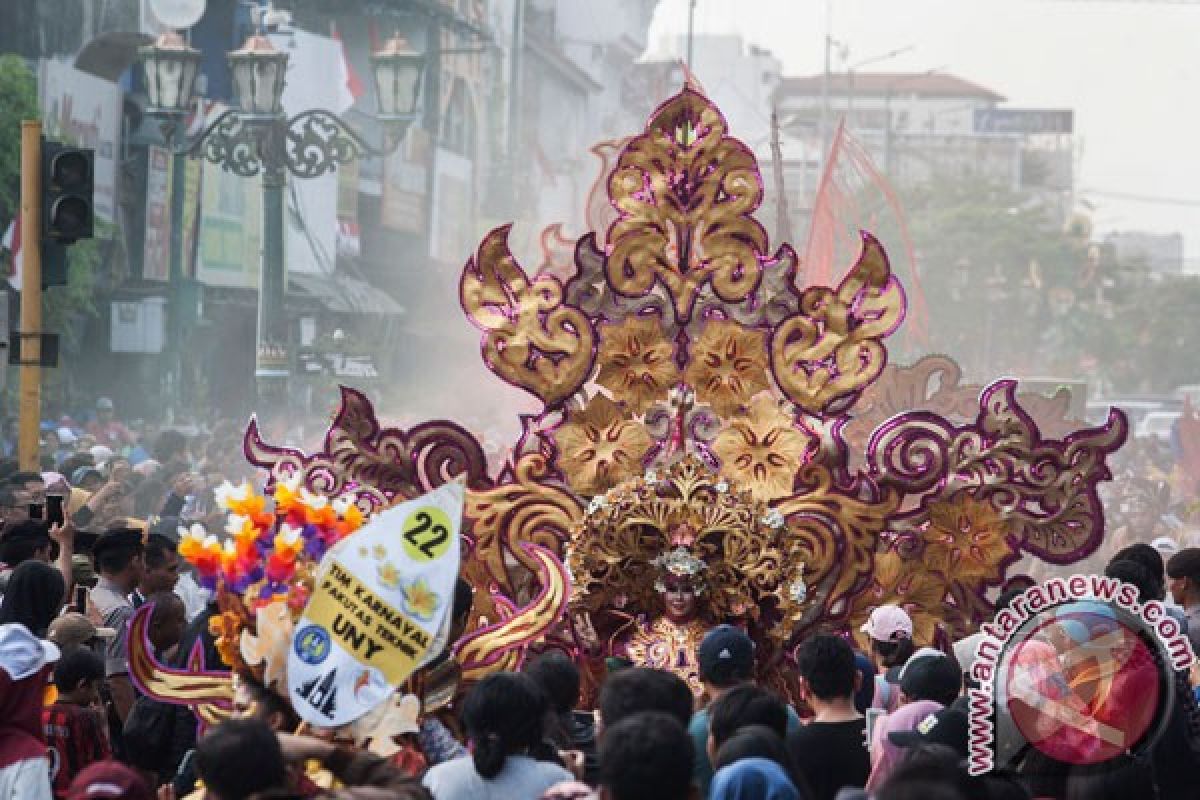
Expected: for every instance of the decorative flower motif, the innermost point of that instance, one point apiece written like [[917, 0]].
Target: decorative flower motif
[[762, 450], [227, 494], [967, 539], [420, 600], [389, 576], [600, 447], [728, 365], [636, 362]]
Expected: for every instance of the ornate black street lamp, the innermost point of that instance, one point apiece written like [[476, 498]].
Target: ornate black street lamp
[[257, 138]]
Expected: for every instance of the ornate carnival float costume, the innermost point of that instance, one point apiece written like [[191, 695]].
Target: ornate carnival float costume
[[690, 462]]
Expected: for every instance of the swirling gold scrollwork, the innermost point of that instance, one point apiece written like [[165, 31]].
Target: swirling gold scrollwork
[[835, 534], [531, 509], [502, 645], [531, 339], [684, 192], [833, 347]]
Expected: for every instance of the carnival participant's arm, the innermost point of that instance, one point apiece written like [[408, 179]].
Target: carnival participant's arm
[[97, 501], [357, 770]]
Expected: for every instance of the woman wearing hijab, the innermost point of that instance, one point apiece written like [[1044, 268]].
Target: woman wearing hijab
[[34, 597], [753, 764]]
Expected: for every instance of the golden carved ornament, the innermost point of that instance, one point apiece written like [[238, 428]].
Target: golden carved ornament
[[684, 192], [599, 446], [727, 365], [833, 347], [906, 583], [636, 362], [966, 540], [532, 339], [763, 449], [835, 534]]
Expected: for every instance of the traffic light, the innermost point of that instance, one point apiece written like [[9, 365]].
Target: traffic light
[[67, 184]]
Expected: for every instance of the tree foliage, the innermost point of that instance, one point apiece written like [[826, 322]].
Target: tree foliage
[[18, 101]]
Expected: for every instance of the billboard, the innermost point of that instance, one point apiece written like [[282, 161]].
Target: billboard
[[1027, 121], [85, 111]]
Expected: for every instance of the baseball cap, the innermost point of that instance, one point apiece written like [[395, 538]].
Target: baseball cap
[[1166, 546], [104, 404], [965, 651], [73, 630], [22, 654], [931, 678], [946, 727], [725, 655], [888, 624], [108, 780]]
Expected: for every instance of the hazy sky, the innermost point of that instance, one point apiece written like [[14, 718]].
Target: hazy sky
[[1130, 70]]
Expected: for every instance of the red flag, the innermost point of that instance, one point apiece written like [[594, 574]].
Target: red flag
[[354, 84]]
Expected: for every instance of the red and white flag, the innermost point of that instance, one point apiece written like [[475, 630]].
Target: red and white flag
[[350, 78]]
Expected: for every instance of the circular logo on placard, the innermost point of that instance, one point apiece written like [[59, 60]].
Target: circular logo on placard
[[312, 644], [426, 534]]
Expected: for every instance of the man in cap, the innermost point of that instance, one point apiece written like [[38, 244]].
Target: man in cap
[[119, 560], [946, 727], [73, 631], [161, 572], [106, 430], [1183, 579], [726, 659], [930, 676]]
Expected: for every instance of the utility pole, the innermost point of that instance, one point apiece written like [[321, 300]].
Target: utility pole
[[29, 337], [691, 31]]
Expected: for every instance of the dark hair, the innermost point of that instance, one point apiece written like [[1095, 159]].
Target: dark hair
[[156, 550], [239, 758], [558, 678], [503, 715], [1143, 554], [1135, 573], [827, 663], [77, 668], [742, 706], [927, 772], [168, 445], [1185, 564], [73, 462], [464, 596], [19, 479], [643, 689], [1006, 598], [753, 741], [271, 703], [34, 597], [21, 542], [115, 558], [893, 654], [648, 754]]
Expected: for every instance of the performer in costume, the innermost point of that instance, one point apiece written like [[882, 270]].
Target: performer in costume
[[693, 407]]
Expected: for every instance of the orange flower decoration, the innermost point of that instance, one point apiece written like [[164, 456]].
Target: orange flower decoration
[[599, 446], [226, 629], [967, 539], [728, 366], [636, 362], [763, 449]]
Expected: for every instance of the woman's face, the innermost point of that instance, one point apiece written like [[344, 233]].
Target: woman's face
[[679, 600]]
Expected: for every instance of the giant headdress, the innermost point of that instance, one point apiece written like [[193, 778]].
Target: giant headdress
[[696, 407]]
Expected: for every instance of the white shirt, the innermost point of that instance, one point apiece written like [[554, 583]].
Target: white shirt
[[522, 778], [26, 780]]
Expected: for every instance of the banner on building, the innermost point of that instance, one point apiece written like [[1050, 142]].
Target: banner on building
[[380, 609], [156, 249], [80, 109]]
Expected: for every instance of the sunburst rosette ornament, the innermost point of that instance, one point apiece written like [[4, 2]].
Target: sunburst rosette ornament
[[263, 569]]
